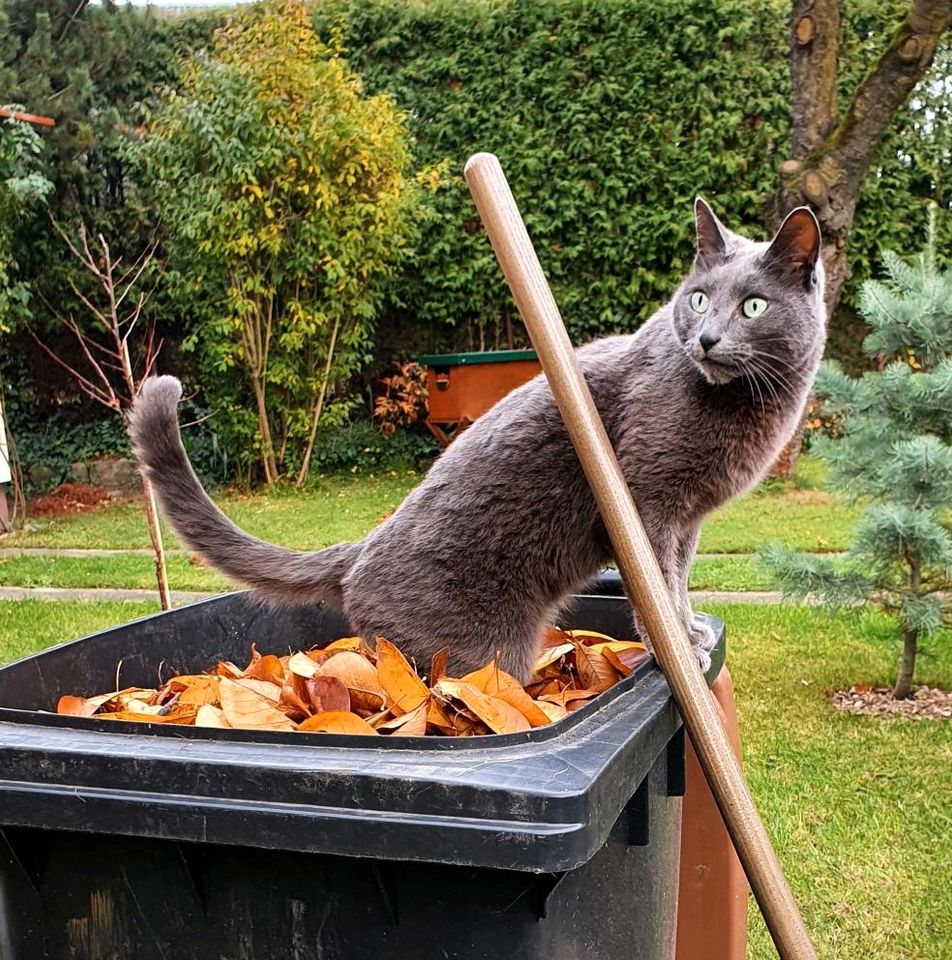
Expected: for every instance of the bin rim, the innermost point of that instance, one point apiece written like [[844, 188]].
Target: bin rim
[[141, 728]]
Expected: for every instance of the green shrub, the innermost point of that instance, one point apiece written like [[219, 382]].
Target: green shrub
[[359, 444]]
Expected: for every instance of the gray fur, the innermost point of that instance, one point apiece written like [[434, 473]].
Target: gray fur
[[485, 551]]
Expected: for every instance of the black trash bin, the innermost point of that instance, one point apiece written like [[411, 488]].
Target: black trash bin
[[134, 842]]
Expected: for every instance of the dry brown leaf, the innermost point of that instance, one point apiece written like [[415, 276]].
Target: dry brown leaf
[[294, 699], [360, 678], [244, 708], [404, 689], [268, 668], [209, 716], [552, 710], [345, 643], [412, 724], [554, 637], [124, 698], [594, 671], [336, 721], [226, 668], [566, 698], [589, 637], [328, 695], [198, 690], [184, 716], [498, 715], [263, 688], [76, 707], [624, 655], [302, 665], [497, 683], [552, 655], [438, 665], [450, 720]]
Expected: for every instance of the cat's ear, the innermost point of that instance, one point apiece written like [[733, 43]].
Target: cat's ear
[[796, 247], [711, 234]]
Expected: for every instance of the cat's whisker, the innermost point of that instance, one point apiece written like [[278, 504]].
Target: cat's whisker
[[768, 371], [769, 376], [752, 380], [779, 359]]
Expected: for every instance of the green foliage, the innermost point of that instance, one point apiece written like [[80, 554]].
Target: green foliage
[[360, 445], [895, 456], [23, 189], [284, 192], [58, 444]]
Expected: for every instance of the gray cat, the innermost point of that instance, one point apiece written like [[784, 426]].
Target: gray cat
[[481, 555]]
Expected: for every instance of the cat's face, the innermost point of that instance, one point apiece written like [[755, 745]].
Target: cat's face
[[752, 309]]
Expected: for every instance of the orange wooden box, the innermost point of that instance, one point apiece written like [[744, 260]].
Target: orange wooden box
[[463, 386]]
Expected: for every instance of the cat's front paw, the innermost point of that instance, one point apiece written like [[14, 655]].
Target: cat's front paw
[[702, 637]]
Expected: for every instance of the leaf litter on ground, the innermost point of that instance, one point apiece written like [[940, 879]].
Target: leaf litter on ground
[[351, 687]]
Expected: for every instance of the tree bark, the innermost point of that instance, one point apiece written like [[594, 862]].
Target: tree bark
[[907, 664], [910, 635], [151, 508], [264, 426], [831, 153]]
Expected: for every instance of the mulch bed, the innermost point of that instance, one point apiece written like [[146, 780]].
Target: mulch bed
[[926, 703], [68, 498]]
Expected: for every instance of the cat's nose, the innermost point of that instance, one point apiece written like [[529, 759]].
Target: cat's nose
[[708, 340]]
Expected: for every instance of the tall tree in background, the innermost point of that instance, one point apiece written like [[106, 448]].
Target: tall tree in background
[[835, 136], [284, 191]]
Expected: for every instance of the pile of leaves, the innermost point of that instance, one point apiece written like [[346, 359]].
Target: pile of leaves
[[350, 687], [69, 498]]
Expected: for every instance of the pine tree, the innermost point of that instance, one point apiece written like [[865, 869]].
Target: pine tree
[[895, 458]]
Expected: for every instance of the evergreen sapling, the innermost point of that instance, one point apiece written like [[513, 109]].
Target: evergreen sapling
[[894, 456]]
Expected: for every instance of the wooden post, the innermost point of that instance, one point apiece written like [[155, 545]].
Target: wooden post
[[636, 560]]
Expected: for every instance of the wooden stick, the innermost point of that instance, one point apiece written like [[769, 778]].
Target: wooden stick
[[636, 560]]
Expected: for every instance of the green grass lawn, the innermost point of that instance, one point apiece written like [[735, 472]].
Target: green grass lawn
[[857, 808], [345, 507], [137, 572], [335, 509]]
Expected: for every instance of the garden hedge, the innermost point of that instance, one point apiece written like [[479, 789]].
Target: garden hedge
[[609, 117]]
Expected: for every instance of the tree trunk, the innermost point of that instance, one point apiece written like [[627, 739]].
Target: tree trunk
[[907, 663], [155, 534], [151, 508], [264, 426], [319, 407]]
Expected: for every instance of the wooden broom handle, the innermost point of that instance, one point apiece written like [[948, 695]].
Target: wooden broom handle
[[636, 560]]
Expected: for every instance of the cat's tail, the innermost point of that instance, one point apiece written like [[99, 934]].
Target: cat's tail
[[273, 571]]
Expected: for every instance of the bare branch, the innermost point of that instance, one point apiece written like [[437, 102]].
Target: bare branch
[[98, 314], [87, 386]]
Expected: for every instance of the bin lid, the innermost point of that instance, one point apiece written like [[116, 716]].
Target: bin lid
[[484, 356], [544, 800]]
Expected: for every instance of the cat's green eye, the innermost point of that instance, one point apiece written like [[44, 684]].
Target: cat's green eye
[[699, 301], [753, 307]]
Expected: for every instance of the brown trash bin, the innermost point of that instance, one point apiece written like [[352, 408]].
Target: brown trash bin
[[712, 898]]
